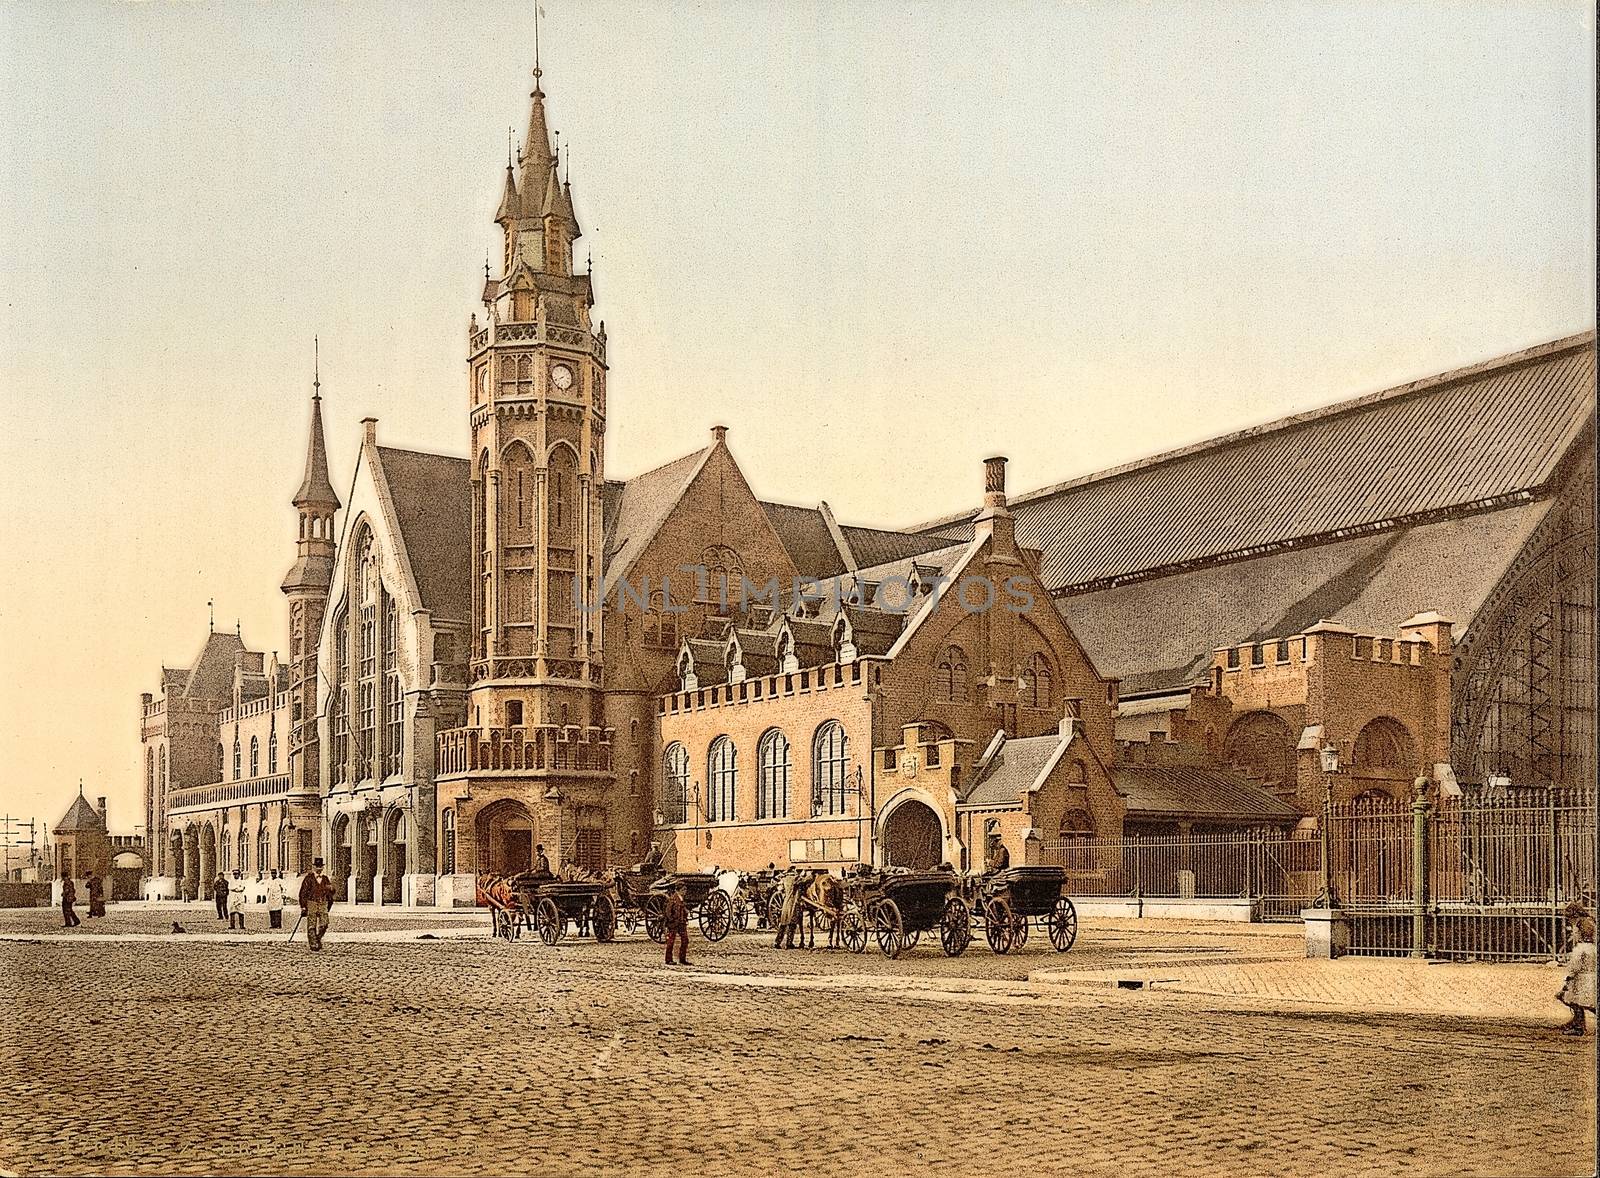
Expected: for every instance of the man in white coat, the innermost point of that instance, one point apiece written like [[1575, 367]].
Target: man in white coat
[[236, 897], [275, 900]]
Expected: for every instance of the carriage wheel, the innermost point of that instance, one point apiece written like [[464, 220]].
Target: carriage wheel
[[774, 909], [655, 918], [853, 928], [551, 923], [998, 924], [1063, 925], [628, 916], [603, 918], [890, 929], [955, 929], [741, 913], [716, 915], [1019, 930], [504, 925]]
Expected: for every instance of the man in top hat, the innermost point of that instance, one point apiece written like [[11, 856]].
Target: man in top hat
[[316, 894]]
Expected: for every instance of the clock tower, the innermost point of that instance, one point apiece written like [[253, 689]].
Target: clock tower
[[536, 370]]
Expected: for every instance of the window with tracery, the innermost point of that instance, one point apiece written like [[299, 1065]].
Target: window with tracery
[[675, 784], [774, 767], [951, 675], [722, 781], [1037, 686], [830, 760]]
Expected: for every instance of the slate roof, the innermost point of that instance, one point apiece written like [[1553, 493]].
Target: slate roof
[[636, 509], [1468, 437], [1198, 792], [810, 544], [211, 676], [432, 497], [80, 816], [1159, 634], [1013, 768]]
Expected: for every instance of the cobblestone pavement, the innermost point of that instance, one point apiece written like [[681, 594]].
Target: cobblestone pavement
[[477, 1056]]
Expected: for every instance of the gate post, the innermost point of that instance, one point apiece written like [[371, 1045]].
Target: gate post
[[1420, 810]]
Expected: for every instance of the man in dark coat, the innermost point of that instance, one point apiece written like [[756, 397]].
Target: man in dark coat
[[316, 896], [541, 863], [97, 895], [69, 896], [219, 893], [676, 921]]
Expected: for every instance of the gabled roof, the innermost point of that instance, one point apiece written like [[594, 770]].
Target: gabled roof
[[636, 509], [1464, 439], [1193, 791], [80, 816], [1012, 769], [814, 550], [432, 497], [211, 676]]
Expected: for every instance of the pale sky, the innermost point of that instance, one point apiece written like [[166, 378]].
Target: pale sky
[[878, 241]]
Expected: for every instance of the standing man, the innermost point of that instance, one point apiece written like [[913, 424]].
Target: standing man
[[789, 918], [316, 894], [236, 902], [676, 921], [275, 901], [69, 896], [219, 895], [97, 895]]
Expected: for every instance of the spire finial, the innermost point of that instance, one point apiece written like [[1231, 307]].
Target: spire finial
[[238, 628], [316, 368], [511, 146], [80, 787], [537, 72], [211, 626]]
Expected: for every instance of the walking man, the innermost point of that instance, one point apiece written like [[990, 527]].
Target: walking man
[[69, 896], [236, 902], [275, 901], [97, 895], [316, 894], [676, 921], [219, 895]]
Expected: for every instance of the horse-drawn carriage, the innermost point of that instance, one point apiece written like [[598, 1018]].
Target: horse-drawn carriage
[[641, 897], [1005, 903], [759, 897], [896, 909], [549, 905]]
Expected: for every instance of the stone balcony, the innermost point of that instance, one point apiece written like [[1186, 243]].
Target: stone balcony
[[229, 793], [521, 752]]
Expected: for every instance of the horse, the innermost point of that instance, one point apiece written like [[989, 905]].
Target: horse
[[822, 896]]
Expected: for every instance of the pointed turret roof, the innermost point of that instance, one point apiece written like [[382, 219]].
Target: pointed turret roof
[[510, 204], [565, 209], [80, 816], [537, 160], [315, 489]]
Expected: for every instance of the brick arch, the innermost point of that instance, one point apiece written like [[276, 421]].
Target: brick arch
[[1262, 745]]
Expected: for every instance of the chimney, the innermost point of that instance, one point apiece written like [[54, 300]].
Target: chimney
[[995, 520], [719, 435]]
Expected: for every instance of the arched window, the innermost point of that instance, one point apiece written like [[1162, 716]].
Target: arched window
[[244, 844], [150, 771], [951, 675], [222, 761], [393, 696], [518, 486], [562, 476], [774, 767], [272, 753], [238, 756], [163, 771], [660, 625], [1262, 746], [263, 863], [675, 784], [830, 758], [447, 824], [283, 846], [1037, 686], [722, 781], [255, 757], [1384, 746]]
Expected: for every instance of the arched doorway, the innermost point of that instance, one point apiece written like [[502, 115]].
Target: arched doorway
[[393, 854], [193, 889], [913, 837], [505, 838], [340, 837], [1262, 745], [364, 855], [127, 868]]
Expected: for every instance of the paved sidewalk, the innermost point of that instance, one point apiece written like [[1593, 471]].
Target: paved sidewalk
[[1523, 993]]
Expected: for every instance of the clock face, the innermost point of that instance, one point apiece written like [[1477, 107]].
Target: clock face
[[561, 376]]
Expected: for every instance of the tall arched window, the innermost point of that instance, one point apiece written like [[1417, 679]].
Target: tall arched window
[[272, 753], [370, 604], [722, 781], [1037, 688], [222, 761], [238, 756], [830, 759], [263, 863], [675, 784], [774, 767], [283, 846], [255, 757], [162, 761], [563, 477], [951, 675], [150, 771], [393, 698], [244, 845], [448, 850]]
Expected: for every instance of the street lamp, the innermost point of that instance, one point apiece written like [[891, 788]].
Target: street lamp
[[1330, 758]]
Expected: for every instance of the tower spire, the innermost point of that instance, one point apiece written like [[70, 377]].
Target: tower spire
[[316, 489]]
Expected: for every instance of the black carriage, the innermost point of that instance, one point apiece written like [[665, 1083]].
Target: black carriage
[[550, 905], [1006, 903], [642, 898], [758, 897], [896, 909]]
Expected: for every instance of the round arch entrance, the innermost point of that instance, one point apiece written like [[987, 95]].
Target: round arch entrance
[[913, 837], [504, 831], [340, 838], [392, 853]]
